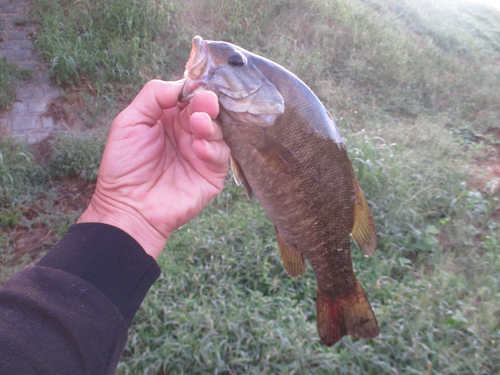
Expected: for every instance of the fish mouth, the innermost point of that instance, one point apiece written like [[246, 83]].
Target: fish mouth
[[195, 68]]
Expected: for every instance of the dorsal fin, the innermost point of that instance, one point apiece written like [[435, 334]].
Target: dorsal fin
[[363, 231]]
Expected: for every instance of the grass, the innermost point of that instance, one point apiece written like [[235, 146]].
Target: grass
[[9, 75], [414, 89], [38, 203]]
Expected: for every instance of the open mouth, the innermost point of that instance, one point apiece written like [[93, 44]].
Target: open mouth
[[197, 60], [195, 67]]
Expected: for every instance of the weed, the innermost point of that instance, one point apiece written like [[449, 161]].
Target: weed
[[9, 74], [100, 41], [20, 21], [77, 155]]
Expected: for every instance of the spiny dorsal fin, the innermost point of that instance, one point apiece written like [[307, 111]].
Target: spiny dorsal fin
[[239, 177], [363, 231], [292, 258]]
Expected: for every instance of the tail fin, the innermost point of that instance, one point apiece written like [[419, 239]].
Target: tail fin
[[348, 315]]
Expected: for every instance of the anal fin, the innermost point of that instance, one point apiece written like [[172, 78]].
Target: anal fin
[[347, 315], [292, 258], [363, 231]]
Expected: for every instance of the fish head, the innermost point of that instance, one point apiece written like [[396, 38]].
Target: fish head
[[244, 93]]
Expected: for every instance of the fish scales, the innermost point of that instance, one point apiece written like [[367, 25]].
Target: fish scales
[[287, 151], [296, 202]]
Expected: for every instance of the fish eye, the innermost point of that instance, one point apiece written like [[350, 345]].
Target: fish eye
[[236, 59]]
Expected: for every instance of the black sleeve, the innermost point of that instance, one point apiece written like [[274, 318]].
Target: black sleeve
[[70, 313]]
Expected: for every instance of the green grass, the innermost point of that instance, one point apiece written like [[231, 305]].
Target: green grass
[[384, 55], [413, 86], [77, 155], [100, 43], [9, 75], [32, 208]]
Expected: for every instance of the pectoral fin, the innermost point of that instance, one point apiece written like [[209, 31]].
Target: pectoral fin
[[292, 258], [276, 154], [239, 177], [363, 231]]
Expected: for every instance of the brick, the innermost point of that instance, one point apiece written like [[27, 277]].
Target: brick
[[26, 44], [16, 35], [9, 9], [43, 79], [51, 92], [37, 107], [48, 123], [17, 55], [28, 93], [19, 108], [23, 123], [29, 65], [9, 45]]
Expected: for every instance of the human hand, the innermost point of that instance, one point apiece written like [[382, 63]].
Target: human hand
[[163, 162]]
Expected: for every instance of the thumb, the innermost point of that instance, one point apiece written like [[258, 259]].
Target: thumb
[[149, 104]]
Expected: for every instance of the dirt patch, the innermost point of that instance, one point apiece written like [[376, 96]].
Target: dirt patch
[[74, 195], [43, 150], [34, 233], [486, 171]]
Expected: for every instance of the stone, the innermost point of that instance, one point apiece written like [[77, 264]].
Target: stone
[[28, 65], [21, 123], [42, 79], [51, 92], [25, 119], [16, 35], [9, 9], [26, 44], [48, 123], [9, 45], [28, 93], [17, 55], [37, 107], [19, 108]]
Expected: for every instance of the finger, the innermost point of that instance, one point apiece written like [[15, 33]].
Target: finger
[[203, 127], [214, 154], [205, 101], [148, 105]]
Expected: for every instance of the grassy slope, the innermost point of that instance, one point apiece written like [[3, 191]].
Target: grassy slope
[[411, 85]]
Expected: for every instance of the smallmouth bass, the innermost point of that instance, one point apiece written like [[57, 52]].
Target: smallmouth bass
[[287, 152]]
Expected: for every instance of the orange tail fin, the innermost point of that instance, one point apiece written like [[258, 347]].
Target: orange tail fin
[[348, 315]]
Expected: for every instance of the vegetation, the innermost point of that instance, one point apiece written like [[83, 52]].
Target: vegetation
[[414, 89], [9, 74]]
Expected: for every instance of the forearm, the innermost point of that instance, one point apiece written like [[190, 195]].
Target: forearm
[[70, 313]]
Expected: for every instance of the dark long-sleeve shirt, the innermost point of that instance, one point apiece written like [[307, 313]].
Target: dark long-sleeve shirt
[[70, 313]]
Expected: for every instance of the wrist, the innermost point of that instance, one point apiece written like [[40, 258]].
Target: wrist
[[127, 219]]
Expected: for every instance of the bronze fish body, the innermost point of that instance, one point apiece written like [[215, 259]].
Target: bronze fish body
[[287, 151]]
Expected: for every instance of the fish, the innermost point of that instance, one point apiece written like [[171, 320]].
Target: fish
[[287, 152]]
